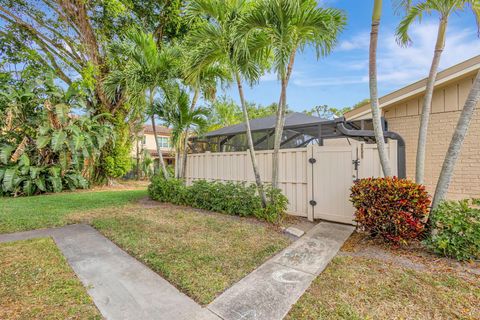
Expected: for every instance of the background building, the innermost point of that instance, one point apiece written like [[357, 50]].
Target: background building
[[402, 110], [147, 143]]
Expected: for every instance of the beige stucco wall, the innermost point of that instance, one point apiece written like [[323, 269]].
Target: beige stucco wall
[[150, 144], [447, 103]]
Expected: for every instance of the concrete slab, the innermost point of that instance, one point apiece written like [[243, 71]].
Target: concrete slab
[[269, 292], [313, 252], [304, 224], [24, 235], [121, 286], [266, 293], [295, 232]]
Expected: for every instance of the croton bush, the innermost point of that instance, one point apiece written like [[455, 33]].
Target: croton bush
[[391, 208]]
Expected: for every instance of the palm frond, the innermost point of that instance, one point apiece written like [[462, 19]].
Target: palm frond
[[415, 12]]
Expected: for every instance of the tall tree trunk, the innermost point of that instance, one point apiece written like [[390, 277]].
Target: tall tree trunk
[[177, 163], [277, 140], [185, 141], [251, 147], [280, 121], [376, 117], [427, 103], [138, 158], [457, 142], [154, 128]]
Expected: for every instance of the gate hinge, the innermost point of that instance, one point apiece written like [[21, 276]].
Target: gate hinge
[[312, 160], [356, 163], [313, 203]]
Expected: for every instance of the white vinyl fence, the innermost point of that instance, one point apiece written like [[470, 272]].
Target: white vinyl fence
[[316, 179]]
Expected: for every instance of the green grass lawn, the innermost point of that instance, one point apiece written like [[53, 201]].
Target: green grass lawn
[[27, 213], [37, 283], [201, 253], [360, 288]]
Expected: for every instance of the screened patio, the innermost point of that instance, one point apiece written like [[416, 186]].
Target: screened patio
[[300, 130]]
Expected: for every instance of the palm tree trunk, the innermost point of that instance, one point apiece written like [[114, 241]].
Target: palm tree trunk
[[154, 128], [177, 163], [251, 148], [138, 158], [185, 141], [457, 142], [185, 155], [282, 106], [277, 140], [195, 99], [376, 117], [427, 103]]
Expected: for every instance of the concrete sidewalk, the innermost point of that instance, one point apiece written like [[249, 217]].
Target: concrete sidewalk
[[124, 288], [269, 292], [121, 286]]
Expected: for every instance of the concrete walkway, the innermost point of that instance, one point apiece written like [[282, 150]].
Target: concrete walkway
[[269, 292], [123, 288]]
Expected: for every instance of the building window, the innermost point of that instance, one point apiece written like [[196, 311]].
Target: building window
[[163, 142]]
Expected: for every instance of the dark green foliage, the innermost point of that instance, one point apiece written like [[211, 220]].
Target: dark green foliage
[[455, 229], [43, 146], [394, 209], [232, 198], [116, 159], [276, 206], [229, 197], [171, 190]]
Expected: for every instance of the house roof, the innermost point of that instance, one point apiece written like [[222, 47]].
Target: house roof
[[294, 119], [147, 128], [463, 69]]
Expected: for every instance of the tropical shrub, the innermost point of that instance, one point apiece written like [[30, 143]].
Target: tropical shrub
[[43, 148], [116, 158], [146, 164], [232, 198], [229, 197], [391, 208], [168, 190], [455, 229]]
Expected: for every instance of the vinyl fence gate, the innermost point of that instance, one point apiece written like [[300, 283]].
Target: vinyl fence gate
[[316, 179]]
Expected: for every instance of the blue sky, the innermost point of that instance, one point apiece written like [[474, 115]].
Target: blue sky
[[341, 79]]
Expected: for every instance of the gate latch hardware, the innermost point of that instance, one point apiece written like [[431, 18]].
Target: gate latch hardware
[[312, 160], [313, 203], [356, 163]]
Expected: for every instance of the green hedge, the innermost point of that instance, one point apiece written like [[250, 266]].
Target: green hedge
[[455, 229], [232, 198]]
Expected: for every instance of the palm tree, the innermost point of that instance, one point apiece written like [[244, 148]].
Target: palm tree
[[374, 104], [177, 113], [215, 42], [444, 8], [290, 26], [204, 82], [457, 142], [146, 71]]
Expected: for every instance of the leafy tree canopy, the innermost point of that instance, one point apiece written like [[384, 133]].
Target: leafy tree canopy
[[225, 112]]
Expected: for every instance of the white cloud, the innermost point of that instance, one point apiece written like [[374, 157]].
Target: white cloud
[[269, 76], [413, 63], [359, 42], [397, 66]]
